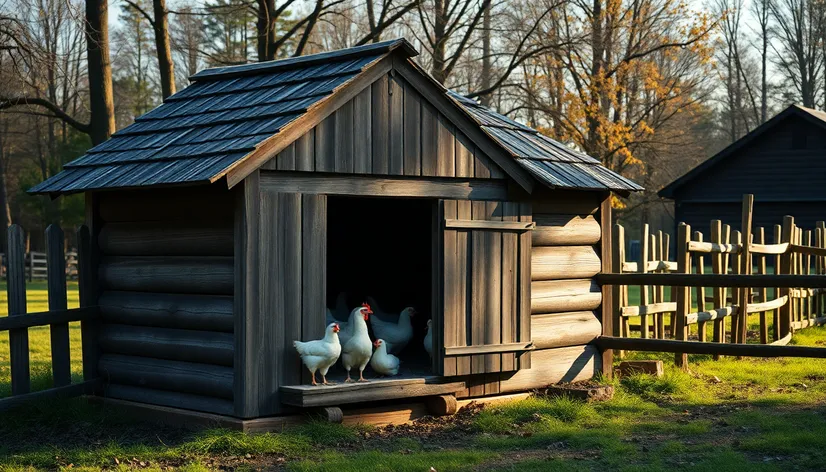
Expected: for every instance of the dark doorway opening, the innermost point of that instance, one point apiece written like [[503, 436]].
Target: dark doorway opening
[[382, 248]]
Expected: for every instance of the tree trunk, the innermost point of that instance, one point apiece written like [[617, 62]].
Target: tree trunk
[[440, 41], [265, 26], [166, 67], [101, 103], [486, 59]]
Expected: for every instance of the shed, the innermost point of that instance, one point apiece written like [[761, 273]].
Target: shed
[[780, 162], [226, 219]]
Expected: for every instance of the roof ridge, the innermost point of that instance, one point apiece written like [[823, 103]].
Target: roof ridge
[[221, 73]]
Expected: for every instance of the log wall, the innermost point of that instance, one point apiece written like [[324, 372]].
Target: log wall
[[166, 296]]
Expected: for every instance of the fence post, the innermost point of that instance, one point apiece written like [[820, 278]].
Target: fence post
[[764, 294], [56, 282], [682, 295], [16, 290], [745, 265], [657, 290], [643, 268], [785, 326], [86, 286], [719, 293], [778, 238], [617, 258], [701, 291], [736, 293]]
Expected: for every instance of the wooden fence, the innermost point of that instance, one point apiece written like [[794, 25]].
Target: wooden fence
[[58, 317], [792, 251], [37, 266]]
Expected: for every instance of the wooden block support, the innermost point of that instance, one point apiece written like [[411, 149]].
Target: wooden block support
[[442, 405]]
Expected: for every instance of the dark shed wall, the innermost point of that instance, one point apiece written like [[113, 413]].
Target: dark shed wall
[[166, 279], [785, 169], [387, 129]]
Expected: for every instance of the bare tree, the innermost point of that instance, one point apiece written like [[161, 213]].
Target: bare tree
[[797, 51]]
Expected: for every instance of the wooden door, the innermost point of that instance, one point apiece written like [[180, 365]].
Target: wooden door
[[484, 320]]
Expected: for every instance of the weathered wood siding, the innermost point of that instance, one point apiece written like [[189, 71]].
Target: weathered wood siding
[[783, 168], [485, 293], [166, 281], [564, 296], [283, 270], [388, 129]]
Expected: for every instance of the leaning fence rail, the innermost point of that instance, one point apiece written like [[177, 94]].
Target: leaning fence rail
[[18, 321]]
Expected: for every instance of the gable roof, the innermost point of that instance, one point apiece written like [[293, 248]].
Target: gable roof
[[813, 116], [234, 115]]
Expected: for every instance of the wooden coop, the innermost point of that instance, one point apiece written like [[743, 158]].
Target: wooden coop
[[226, 220]]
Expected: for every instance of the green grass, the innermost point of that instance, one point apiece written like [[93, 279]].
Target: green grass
[[40, 355], [728, 415]]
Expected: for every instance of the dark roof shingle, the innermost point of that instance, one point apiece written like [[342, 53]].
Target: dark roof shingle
[[549, 161]]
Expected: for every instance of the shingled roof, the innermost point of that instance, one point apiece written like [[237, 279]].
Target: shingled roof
[[202, 132]]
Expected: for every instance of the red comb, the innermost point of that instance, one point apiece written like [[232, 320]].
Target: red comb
[[366, 305]]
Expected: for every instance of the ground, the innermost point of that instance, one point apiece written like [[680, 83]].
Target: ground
[[760, 414]]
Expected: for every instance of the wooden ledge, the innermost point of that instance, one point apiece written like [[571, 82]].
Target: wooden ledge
[[307, 396]]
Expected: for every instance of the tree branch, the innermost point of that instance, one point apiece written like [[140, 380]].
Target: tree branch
[[10, 102]]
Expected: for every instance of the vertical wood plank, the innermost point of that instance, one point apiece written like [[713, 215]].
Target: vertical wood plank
[[313, 265], [285, 160], [655, 289], [325, 144], [763, 293], [396, 156], [643, 268], [478, 298], [446, 148], [699, 267], [745, 264], [246, 312], [509, 311], [430, 140], [464, 249], [56, 281], [778, 238], [683, 294], [608, 296], [363, 133], [380, 106], [16, 292], [438, 306], [268, 356], [493, 289], [719, 293], [524, 284], [305, 152], [344, 147], [463, 156], [736, 266], [617, 259], [414, 117], [481, 165], [289, 222], [454, 310], [663, 256], [785, 325]]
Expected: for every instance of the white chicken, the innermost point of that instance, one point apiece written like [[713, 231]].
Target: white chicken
[[358, 349], [320, 355], [395, 334], [428, 338], [382, 362]]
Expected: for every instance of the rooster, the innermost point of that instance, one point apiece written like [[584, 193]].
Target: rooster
[[382, 362], [357, 350], [395, 335], [320, 355]]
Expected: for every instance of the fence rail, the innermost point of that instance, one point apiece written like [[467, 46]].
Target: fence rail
[[18, 321], [739, 282]]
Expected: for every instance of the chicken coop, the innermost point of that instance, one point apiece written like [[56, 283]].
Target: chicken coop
[[228, 219]]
